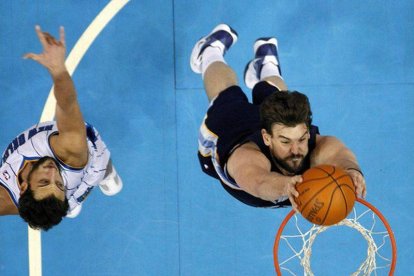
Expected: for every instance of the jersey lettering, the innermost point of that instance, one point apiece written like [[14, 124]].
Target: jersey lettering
[[21, 140]]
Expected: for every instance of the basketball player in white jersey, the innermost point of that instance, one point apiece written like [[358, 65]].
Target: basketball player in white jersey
[[48, 170]]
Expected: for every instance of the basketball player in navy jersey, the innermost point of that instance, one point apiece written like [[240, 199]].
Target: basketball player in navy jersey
[[259, 150], [48, 170]]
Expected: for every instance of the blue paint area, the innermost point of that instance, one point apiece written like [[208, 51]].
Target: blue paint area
[[353, 59]]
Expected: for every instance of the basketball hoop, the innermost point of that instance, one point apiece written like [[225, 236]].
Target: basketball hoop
[[296, 236]]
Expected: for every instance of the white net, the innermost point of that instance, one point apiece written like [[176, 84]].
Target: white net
[[298, 237]]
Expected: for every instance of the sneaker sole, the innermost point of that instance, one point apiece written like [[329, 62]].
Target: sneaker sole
[[115, 188], [249, 79], [194, 63]]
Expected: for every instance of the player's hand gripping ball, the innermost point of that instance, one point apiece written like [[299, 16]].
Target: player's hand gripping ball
[[326, 195]]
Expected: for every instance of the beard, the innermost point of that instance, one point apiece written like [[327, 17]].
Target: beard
[[284, 163]]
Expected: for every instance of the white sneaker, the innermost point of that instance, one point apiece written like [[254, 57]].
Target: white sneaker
[[222, 37], [111, 184], [74, 212], [265, 50]]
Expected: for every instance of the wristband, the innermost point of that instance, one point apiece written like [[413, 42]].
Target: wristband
[[355, 169]]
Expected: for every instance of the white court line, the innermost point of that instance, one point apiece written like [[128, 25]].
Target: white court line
[[75, 56]]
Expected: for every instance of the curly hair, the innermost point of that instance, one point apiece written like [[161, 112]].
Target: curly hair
[[42, 214], [288, 108]]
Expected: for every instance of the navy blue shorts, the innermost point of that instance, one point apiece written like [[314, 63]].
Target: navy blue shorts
[[229, 120]]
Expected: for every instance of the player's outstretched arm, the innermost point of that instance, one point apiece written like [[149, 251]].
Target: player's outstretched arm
[[329, 150], [70, 144], [252, 171]]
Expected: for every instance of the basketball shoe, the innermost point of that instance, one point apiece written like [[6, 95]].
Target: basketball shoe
[[112, 183], [221, 37], [265, 51]]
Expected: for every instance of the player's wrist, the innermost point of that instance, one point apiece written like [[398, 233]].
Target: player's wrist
[[355, 170], [59, 73]]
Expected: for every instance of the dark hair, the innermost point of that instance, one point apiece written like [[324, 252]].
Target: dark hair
[[288, 108], [42, 214]]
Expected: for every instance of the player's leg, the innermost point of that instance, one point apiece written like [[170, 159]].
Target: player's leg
[[218, 77], [263, 72], [207, 58]]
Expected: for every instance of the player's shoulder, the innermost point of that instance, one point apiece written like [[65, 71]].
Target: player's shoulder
[[249, 146], [7, 207], [326, 139], [246, 150], [248, 153], [326, 144]]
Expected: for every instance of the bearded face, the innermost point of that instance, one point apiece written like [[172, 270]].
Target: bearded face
[[288, 146]]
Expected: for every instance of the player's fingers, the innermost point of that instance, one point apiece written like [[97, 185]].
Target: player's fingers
[[31, 56], [364, 193], [357, 184], [358, 190], [294, 205], [292, 186], [62, 36], [363, 188], [291, 191], [298, 179], [40, 35], [294, 192], [50, 39]]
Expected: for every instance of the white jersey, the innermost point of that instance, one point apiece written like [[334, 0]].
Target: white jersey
[[33, 144]]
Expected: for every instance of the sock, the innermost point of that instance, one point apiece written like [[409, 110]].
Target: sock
[[270, 69], [211, 55]]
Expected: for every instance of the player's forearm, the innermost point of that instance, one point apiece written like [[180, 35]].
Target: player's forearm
[[343, 158], [333, 152], [68, 114], [346, 163], [64, 89], [271, 186]]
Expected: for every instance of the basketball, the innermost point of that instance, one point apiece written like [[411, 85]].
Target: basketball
[[326, 195]]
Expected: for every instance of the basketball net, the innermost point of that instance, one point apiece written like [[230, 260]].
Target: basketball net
[[297, 236]]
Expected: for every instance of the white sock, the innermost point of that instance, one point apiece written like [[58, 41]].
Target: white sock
[[270, 69], [211, 55]]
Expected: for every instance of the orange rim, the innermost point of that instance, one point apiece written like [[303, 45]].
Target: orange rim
[[363, 202]]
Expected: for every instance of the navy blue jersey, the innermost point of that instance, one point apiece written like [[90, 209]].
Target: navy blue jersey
[[230, 122]]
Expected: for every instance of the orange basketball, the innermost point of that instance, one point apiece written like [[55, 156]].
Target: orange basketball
[[326, 195]]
